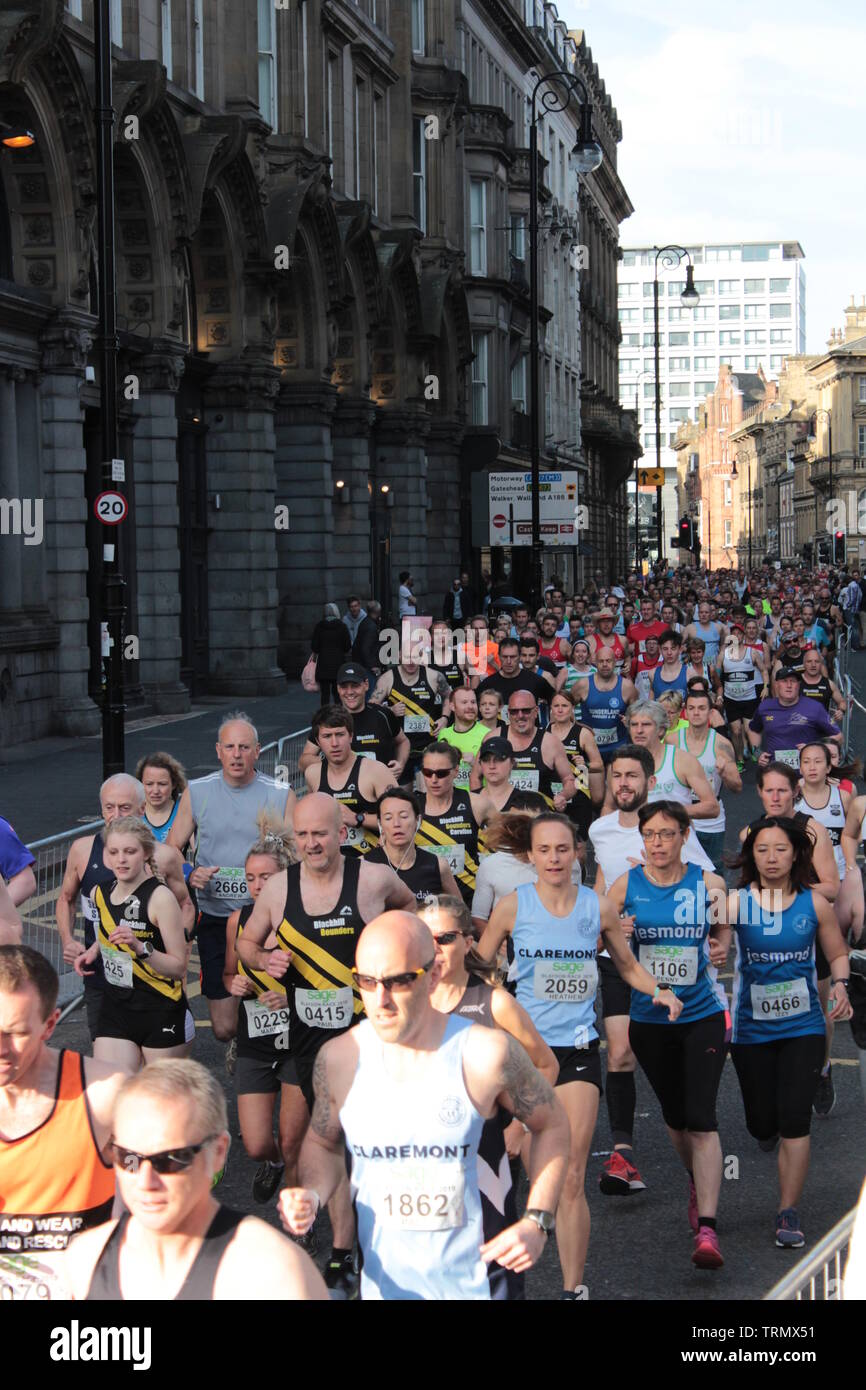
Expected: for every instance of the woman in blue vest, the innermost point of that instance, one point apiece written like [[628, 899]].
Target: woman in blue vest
[[778, 1023], [679, 935]]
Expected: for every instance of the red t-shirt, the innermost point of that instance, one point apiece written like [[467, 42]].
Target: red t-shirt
[[639, 632], [644, 663]]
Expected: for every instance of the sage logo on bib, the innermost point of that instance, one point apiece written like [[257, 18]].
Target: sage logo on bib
[[452, 1110]]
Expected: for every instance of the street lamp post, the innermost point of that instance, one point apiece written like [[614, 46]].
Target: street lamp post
[[670, 256], [561, 87]]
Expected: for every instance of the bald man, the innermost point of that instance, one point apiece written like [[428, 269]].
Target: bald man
[[317, 910], [223, 809], [408, 1092], [86, 869]]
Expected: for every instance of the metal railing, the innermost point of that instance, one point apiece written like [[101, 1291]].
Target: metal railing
[[817, 1278], [278, 759]]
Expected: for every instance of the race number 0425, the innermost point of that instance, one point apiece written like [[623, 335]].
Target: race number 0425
[[111, 508]]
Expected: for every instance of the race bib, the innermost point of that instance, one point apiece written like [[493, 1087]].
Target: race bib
[[89, 910], [24, 1277], [455, 854], [739, 690], [525, 780], [781, 999], [416, 724], [462, 778], [230, 885], [791, 756], [264, 1022], [355, 835], [117, 966], [670, 965], [604, 736], [324, 1008], [565, 981], [367, 753], [420, 1196]]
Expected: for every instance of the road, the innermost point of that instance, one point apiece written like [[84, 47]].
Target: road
[[640, 1246]]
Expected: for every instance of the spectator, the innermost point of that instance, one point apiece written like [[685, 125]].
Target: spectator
[[365, 648], [459, 601], [330, 643], [849, 599], [407, 605], [355, 615], [16, 865]]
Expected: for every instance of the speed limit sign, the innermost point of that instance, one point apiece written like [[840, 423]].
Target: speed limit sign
[[111, 508]]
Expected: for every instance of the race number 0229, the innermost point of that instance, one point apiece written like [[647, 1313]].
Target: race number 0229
[[111, 508]]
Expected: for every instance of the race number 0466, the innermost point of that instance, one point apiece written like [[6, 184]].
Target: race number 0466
[[111, 508]]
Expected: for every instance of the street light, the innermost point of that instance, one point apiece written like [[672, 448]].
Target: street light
[[670, 257], [587, 155], [16, 137]]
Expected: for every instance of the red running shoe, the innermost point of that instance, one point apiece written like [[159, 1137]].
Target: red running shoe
[[706, 1254], [619, 1177]]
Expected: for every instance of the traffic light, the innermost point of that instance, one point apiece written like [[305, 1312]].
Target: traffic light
[[839, 548], [686, 534]]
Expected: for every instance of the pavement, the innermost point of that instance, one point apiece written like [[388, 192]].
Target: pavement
[[640, 1246]]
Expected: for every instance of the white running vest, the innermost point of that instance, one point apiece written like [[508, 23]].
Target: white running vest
[[707, 760]]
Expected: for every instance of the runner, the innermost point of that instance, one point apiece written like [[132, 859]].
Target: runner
[[538, 757], [507, 865], [490, 711], [55, 1124], [144, 1013], [511, 676], [408, 1093], [782, 724], [492, 769], [644, 666], [119, 797], [223, 810], [174, 1241], [356, 783], [678, 774], [579, 743], [742, 672], [605, 637], [670, 674], [375, 733], [648, 625], [466, 988], [444, 653], [421, 697], [451, 819], [671, 901], [555, 928], [264, 1069], [399, 815], [712, 634], [778, 1022], [618, 846], [822, 799], [716, 756], [816, 685], [317, 909], [604, 701], [164, 782], [16, 865], [466, 733]]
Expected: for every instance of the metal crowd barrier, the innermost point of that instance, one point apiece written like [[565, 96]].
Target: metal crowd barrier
[[280, 759], [817, 1278]]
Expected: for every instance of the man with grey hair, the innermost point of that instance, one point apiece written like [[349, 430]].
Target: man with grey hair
[[119, 796], [223, 810], [678, 774]]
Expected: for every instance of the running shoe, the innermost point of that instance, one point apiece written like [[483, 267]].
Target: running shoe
[[569, 1296], [341, 1278], [707, 1254], [309, 1242], [231, 1056], [619, 1177], [825, 1095], [788, 1233], [693, 1206], [267, 1180]]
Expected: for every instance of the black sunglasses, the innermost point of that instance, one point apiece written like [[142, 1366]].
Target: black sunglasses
[[390, 983], [168, 1161], [448, 938], [438, 772]]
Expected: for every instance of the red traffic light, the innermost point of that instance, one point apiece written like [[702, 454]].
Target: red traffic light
[[839, 535]]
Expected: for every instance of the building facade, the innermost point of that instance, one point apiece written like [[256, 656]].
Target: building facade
[[837, 439], [751, 315]]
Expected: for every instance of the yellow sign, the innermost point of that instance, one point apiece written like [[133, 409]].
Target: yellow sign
[[651, 477]]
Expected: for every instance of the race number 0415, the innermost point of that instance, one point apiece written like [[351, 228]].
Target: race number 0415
[[111, 508]]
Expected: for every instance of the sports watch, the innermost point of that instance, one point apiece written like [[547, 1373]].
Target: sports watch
[[146, 950], [544, 1220], [359, 819]]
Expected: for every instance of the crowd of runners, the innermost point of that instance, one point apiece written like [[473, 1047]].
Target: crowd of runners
[[502, 882]]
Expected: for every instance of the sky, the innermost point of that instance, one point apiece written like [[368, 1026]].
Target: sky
[[742, 122]]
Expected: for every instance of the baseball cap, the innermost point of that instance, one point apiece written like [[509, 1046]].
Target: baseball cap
[[787, 673], [352, 675], [495, 748]]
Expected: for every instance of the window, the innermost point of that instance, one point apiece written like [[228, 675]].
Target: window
[[729, 311], [754, 311], [780, 335], [649, 390], [756, 253], [74, 8], [631, 340], [780, 311], [418, 39], [675, 288], [649, 315], [729, 489], [649, 340], [704, 313], [780, 287], [115, 22], [198, 47], [729, 339], [704, 364], [518, 235], [705, 286], [726, 414], [754, 336], [728, 524], [678, 414], [647, 289], [267, 31], [678, 339], [679, 364], [861, 441], [776, 362], [861, 388], [729, 287], [629, 258], [628, 315], [754, 286], [704, 337], [419, 175], [478, 227], [518, 384], [479, 379], [677, 314], [649, 417], [627, 291], [679, 388], [704, 388], [750, 364], [165, 35], [627, 365]]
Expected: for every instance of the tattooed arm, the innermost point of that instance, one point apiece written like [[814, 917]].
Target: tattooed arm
[[322, 1164]]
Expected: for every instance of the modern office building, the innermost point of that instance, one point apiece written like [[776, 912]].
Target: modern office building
[[752, 313]]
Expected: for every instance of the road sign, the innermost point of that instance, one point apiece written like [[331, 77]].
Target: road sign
[[558, 508], [111, 508], [651, 477], [498, 521]]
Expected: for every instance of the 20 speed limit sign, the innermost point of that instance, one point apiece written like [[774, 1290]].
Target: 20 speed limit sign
[[111, 508]]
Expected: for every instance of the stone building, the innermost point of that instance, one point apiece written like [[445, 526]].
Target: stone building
[[318, 331], [838, 379]]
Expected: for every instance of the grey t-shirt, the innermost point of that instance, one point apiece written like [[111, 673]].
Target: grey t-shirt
[[226, 830]]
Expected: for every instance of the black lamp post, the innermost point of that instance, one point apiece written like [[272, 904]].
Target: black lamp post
[[670, 256], [561, 87], [113, 584]]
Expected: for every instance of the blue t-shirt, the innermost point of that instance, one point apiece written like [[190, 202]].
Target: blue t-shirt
[[14, 854], [671, 930], [775, 983]]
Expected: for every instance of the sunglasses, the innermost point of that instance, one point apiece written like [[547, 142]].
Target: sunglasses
[[437, 772], [390, 983], [169, 1161], [448, 938]]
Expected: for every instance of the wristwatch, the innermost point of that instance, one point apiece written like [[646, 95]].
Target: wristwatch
[[146, 949], [359, 818], [544, 1220]]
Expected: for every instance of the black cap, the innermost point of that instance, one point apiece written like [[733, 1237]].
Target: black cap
[[352, 675], [496, 748], [787, 673]]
